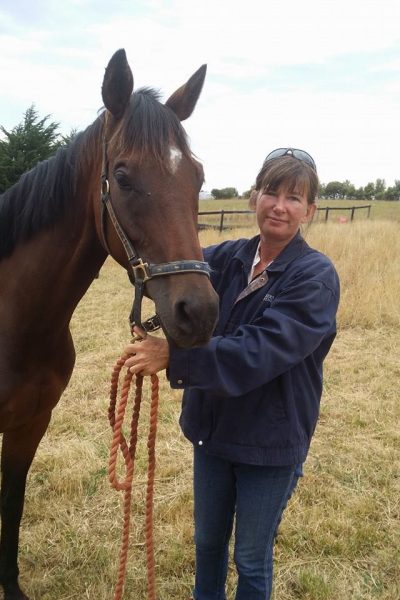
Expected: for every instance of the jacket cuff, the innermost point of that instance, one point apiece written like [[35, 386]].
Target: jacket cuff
[[178, 368]]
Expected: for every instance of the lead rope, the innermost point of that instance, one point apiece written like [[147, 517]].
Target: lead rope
[[116, 416]]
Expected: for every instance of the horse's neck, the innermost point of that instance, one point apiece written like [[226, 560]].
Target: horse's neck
[[52, 271]]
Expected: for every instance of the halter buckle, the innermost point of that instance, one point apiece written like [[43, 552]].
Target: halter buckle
[[141, 271]]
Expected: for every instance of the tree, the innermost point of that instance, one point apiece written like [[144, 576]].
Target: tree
[[224, 193], [380, 186], [393, 192], [335, 189], [372, 191], [359, 193], [70, 137], [380, 189], [28, 143], [246, 194], [349, 190], [369, 191]]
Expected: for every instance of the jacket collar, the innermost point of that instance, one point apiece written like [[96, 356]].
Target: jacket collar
[[295, 248]]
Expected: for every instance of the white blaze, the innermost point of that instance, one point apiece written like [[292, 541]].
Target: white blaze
[[175, 157]]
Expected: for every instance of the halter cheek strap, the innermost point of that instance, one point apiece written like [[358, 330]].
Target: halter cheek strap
[[139, 272]]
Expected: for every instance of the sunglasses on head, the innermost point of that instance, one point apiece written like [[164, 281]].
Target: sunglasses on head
[[296, 153]]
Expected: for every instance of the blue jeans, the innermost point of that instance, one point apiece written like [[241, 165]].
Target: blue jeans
[[258, 496]]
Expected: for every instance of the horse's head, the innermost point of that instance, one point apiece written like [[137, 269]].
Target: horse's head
[[154, 184]]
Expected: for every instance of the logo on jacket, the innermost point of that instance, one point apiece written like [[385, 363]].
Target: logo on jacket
[[269, 298]]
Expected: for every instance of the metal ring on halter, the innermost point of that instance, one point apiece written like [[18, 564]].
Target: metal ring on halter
[[105, 187]]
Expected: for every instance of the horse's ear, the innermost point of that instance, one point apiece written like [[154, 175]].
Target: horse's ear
[[183, 101], [117, 84]]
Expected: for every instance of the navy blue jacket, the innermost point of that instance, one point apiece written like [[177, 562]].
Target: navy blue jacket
[[252, 394]]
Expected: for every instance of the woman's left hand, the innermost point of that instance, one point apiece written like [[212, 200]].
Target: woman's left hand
[[148, 355]]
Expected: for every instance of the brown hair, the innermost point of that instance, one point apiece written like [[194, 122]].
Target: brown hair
[[292, 174]]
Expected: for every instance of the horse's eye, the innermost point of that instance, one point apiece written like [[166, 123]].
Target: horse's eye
[[122, 180]]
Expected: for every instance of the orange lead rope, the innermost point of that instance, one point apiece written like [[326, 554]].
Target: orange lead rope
[[116, 416]]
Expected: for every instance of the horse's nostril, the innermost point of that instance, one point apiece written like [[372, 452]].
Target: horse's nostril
[[194, 321], [186, 316]]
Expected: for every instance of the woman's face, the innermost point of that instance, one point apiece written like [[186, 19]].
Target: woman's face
[[280, 214]]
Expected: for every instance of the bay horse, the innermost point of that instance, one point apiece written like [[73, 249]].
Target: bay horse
[[55, 234]]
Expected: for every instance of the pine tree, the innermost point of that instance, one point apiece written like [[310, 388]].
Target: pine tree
[[28, 143]]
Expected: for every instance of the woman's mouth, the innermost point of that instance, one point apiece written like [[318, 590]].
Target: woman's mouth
[[275, 220]]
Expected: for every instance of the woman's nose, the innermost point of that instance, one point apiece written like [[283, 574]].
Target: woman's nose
[[279, 205]]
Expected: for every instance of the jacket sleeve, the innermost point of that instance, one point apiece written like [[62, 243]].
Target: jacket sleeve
[[291, 329]]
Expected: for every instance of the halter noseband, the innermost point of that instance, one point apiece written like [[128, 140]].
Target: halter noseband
[[140, 271]]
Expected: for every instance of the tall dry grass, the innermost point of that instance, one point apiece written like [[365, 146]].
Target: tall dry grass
[[340, 538], [367, 257]]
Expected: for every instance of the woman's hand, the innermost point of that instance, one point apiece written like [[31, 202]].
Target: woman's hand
[[148, 355]]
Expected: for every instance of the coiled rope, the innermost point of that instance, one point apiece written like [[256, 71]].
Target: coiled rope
[[116, 415]]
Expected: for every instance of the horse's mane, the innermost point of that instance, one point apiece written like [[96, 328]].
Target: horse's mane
[[41, 196]]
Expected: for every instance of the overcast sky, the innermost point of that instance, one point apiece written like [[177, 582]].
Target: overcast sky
[[322, 75]]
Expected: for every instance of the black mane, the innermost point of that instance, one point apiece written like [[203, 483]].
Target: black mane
[[41, 196]]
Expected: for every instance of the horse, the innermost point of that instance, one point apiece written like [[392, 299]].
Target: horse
[[128, 186]]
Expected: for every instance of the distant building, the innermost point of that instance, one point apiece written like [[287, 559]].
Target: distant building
[[204, 195]]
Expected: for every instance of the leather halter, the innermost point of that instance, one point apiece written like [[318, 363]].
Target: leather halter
[[139, 272]]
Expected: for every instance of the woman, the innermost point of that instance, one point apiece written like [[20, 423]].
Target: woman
[[252, 394]]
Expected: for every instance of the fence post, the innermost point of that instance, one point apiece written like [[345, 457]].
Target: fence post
[[221, 223], [369, 211], [326, 213], [352, 213]]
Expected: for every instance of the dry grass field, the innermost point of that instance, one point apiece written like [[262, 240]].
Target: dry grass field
[[340, 539]]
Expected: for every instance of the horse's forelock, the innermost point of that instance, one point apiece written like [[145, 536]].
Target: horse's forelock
[[148, 129]]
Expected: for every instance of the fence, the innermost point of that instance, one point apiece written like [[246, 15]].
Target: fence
[[352, 209], [226, 219]]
